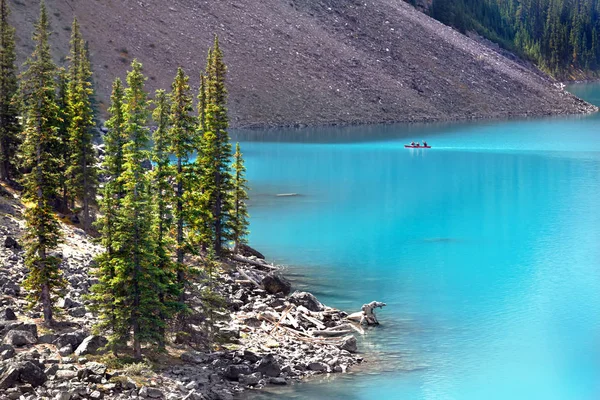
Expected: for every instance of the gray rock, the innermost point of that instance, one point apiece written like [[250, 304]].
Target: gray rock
[[95, 395], [11, 243], [250, 380], [317, 366], [47, 338], [278, 381], [92, 344], [349, 345], [78, 312], [6, 351], [275, 283], [30, 372], [67, 302], [251, 356], [65, 374], [268, 366], [307, 300], [150, 392], [194, 357], [7, 314], [65, 350], [248, 251], [72, 338], [63, 396], [234, 371], [9, 378], [20, 338], [96, 368]]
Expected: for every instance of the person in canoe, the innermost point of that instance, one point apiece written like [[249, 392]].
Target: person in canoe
[[424, 143], [412, 143]]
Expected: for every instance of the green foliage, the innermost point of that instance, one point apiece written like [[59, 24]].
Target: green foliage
[[41, 114], [182, 138], [215, 157], [559, 35], [102, 294], [239, 198], [81, 172], [9, 123], [163, 222]]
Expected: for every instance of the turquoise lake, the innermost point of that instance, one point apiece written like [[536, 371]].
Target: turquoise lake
[[486, 249]]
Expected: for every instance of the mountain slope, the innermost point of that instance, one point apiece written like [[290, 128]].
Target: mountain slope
[[304, 63]]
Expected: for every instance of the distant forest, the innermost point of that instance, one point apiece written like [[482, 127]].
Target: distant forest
[[560, 36]]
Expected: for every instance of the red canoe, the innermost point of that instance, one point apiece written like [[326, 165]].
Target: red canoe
[[416, 146]]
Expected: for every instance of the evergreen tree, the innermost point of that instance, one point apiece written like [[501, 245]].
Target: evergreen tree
[[240, 195], [103, 296], [82, 167], [215, 155], [9, 124], [137, 285], [182, 138], [162, 194], [62, 150], [41, 115]]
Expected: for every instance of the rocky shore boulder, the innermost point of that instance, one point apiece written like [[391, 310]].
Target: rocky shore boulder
[[234, 371], [307, 300], [269, 366], [248, 251], [274, 283], [7, 314]]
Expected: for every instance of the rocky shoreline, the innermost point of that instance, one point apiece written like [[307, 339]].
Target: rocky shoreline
[[270, 337]]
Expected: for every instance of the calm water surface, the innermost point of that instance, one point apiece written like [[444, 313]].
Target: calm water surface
[[486, 249]]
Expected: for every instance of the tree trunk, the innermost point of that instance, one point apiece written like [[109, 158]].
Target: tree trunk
[[180, 272], [86, 197], [47, 304]]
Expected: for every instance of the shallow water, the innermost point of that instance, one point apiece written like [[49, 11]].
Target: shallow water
[[486, 249]]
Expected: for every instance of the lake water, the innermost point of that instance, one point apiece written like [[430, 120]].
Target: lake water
[[486, 249]]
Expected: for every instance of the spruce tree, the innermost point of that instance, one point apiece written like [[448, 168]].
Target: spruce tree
[[182, 138], [239, 211], [82, 167], [62, 150], [162, 195], [9, 124], [41, 116], [103, 295], [137, 282], [215, 157]]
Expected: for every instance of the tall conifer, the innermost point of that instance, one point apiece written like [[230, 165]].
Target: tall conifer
[[163, 194], [9, 124], [137, 282], [82, 167], [103, 293], [41, 115], [239, 210], [215, 157], [182, 138]]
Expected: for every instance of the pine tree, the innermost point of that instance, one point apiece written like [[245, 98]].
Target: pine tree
[[41, 115], [103, 295], [62, 150], [215, 154], [137, 282], [240, 195], [182, 137], [9, 124], [82, 167], [162, 194]]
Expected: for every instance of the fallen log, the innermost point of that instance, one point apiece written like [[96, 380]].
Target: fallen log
[[367, 314], [257, 264]]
